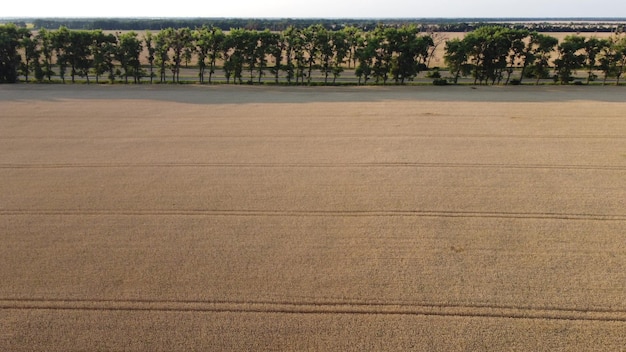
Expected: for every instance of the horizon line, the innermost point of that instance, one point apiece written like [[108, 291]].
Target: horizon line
[[575, 18]]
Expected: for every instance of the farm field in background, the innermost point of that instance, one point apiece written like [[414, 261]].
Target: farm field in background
[[170, 217]]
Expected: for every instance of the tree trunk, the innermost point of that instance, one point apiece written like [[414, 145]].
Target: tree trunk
[[508, 76]]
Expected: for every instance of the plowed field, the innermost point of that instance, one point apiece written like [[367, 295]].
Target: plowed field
[[170, 218]]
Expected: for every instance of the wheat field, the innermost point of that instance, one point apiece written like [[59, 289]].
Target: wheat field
[[231, 218]]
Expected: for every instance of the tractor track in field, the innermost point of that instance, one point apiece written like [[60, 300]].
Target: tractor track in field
[[311, 165], [316, 213], [293, 307]]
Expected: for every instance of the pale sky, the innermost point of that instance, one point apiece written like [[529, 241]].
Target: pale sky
[[315, 8]]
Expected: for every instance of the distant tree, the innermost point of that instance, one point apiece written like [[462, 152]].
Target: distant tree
[[591, 48], [410, 52], [179, 40], [266, 43], [216, 39], [519, 54], [10, 38], [148, 41], [61, 43], [570, 58], [45, 40], [227, 47], [613, 58], [31, 56], [352, 35], [488, 49], [234, 51], [290, 38], [161, 50], [202, 47], [456, 58], [78, 53], [324, 46], [250, 48], [383, 53], [364, 54], [620, 49], [128, 53], [342, 48], [300, 58], [310, 40], [540, 48], [277, 47], [103, 48]]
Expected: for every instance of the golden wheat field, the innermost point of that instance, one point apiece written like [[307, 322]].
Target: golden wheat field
[[242, 218]]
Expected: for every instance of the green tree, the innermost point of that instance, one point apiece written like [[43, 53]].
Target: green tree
[[456, 58], [10, 38], [179, 40], [410, 52], [78, 53], [103, 48], [519, 53], [161, 50], [45, 39], [277, 47], [324, 46], [383, 54], [31, 57], [475, 45], [266, 46], [253, 53], [234, 52], [613, 57], [570, 58], [248, 45], [592, 47], [128, 53], [341, 47], [489, 49], [241, 53], [291, 45], [61, 43], [540, 48], [365, 52], [352, 35], [310, 37], [202, 47], [620, 49], [148, 41], [208, 42]]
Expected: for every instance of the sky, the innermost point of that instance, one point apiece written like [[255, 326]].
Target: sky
[[316, 8]]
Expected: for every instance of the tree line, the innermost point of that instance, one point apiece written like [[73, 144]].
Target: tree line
[[587, 25], [489, 55], [225, 24]]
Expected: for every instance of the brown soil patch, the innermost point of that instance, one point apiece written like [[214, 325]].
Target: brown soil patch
[[168, 218]]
